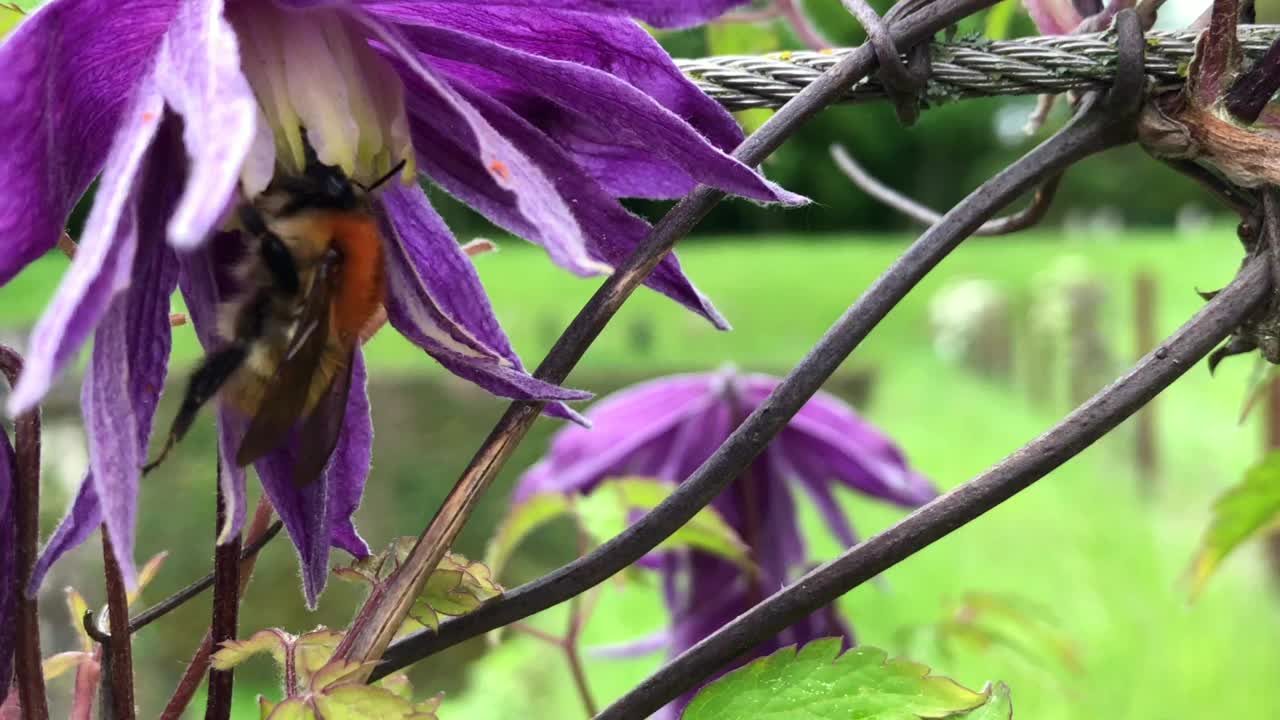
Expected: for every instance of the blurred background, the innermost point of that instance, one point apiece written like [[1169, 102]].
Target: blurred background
[[1074, 592]]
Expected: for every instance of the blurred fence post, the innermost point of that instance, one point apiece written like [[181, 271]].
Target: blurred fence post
[[1144, 325]]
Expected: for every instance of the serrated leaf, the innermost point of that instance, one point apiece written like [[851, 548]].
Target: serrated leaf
[[1237, 514], [818, 683], [313, 651], [233, 652], [362, 702], [999, 705], [147, 574], [398, 684], [607, 511], [59, 664], [292, 709], [337, 673], [265, 707], [522, 520]]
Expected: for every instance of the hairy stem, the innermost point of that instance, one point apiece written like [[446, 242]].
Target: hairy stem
[[117, 652], [1077, 431], [384, 612], [26, 496], [1099, 125], [258, 535], [226, 608]]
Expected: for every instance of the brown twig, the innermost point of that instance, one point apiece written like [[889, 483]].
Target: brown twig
[[258, 534], [117, 655], [1029, 216], [226, 611], [26, 496]]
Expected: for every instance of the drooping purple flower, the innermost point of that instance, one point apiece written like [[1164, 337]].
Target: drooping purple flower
[[8, 564], [539, 115], [668, 427]]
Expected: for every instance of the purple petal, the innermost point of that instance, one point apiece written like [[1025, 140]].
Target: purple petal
[[203, 291], [536, 197], [434, 299], [70, 71], [608, 112], [305, 513], [819, 490], [641, 417], [350, 467], [613, 232], [661, 13], [611, 44], [103, 264], [9, 578], [84, 516], [127, 370], [198, 72], [1053, 17], [647, 645]]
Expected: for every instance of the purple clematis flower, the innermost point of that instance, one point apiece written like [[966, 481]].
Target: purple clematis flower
[[8, 564], [539, 114], [668, 427]]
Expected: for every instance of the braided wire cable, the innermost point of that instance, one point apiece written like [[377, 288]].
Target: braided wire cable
[[963, 68]]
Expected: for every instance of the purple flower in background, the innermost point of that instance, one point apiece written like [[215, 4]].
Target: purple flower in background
[[668, 427], [8, 563], [1067, 17], [539, 114]]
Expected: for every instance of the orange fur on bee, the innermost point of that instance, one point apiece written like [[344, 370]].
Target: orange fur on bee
[[362, 280]]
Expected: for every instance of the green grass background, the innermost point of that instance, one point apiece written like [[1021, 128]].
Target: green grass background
[[1104, 563]]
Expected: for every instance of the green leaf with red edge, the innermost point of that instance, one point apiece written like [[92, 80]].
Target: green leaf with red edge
[[276, 643], [607, 511], [521, 520], [818, 683], [999, 705], [77, 607], [1238, 514]]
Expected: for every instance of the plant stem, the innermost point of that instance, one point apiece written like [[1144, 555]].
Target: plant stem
[[26, 496], [258, 534], [117, 655], [384, 611], [226, 606]]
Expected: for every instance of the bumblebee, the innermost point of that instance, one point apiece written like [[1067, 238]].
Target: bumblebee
[[310, 286]]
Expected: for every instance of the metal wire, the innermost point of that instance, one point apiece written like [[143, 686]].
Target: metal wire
[[963, 68]]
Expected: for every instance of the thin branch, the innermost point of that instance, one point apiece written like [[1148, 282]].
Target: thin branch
[[180, 598], [1029, 216], [117, 652], [948, 513], [1099, 124], [258, 536], [26, 496], [226, 610], [383, 613]]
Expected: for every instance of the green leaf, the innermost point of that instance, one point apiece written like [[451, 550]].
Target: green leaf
[[815, 684], [265, 707], [607, 511], [78, 607], [999, 705], [362, 702], [233, 652], [312, 651], [147, 574], [294, 709], [1237, 514], [522, 520]]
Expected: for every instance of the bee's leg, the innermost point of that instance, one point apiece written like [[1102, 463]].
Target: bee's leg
[[271, 248], [212, 374]]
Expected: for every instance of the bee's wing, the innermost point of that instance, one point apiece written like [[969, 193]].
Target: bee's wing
[[320, 431], [286, 394]]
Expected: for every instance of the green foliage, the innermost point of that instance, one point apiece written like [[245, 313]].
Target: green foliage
[[1237, 515], [456, 587], [521, 520], [608, 510], [819, 683], [10, 15], [728, 38], [1000, 19], [317, 686]]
